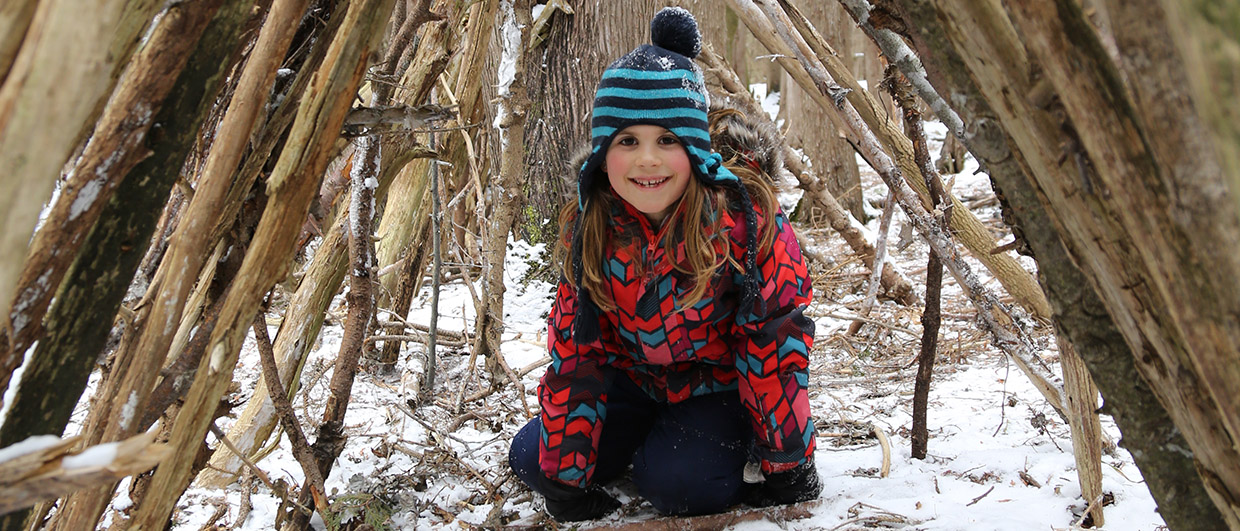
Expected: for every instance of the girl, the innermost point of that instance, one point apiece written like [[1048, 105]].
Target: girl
[[677, 338]]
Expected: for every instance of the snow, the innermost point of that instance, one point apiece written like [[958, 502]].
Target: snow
[[982, 418], [989, 428], [86, 197], [10, 394], [127, 411], [100, 455], [28, 446]]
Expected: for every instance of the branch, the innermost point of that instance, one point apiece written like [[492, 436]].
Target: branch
[[1015, 343], [51, 472], [288, 418], [898, 53], [779, 513], [404, 117], [894, 283]]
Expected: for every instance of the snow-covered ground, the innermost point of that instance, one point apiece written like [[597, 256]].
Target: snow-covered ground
[[999, 458]]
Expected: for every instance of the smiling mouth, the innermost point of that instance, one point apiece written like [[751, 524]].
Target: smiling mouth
[[650, 183]]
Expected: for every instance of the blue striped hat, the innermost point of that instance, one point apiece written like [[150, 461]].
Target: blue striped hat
[[656, 85]]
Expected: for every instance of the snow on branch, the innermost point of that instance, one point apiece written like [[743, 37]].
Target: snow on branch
[[46, 468]]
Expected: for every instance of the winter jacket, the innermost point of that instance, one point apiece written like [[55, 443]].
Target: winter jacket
[[711, 347]]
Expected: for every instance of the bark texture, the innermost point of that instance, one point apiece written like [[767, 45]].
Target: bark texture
[[1003, 129], [67, 64], [291, 187], [821, 60], [88, 302], [578, 47]]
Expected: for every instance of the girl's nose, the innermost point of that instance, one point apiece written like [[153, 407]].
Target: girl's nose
[[647, 156]]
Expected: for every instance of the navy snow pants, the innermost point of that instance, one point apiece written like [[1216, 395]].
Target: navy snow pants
[[687, 458]]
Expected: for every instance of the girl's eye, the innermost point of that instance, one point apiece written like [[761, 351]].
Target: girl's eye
[[668, 140], [627, 141]]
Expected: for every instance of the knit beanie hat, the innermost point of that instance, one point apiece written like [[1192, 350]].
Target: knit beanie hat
[[657, 84]]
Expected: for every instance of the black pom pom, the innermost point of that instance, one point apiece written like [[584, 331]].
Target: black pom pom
[[675, 29]]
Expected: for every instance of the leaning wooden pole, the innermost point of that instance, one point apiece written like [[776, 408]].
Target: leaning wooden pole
[[64, 360], [821, 61], [103, 280], [68, 62], [1165, 256], [899, 54], [506, 199], [894, 283], [291, 187], [977, 66], [1015, 341], [323, 277]]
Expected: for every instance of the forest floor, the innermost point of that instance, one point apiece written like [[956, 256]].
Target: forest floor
[[999, 457]]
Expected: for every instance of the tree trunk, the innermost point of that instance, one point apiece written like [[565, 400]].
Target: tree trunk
[[970, 55], [577, 50], [118, 144], [67, 65], [834, 159], [292, 186], [1174, 285], [112, 250]]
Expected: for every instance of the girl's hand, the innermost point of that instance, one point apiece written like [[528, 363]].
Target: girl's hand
[[792, 486], [573, 504]]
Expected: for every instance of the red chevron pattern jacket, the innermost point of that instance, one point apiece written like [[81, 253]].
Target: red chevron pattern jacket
[[713, 346]]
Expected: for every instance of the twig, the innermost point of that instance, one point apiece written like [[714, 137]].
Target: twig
[[979, 498], [883, 516], [529, 368], [426, 340], [451, 334], [288, 418], [439, 435], [219, 434], [881, 324], [247, 503], [428, 380], [1089, 510], [876, 269], [221, 509], [516, 381], [1029, 480], [469, 415]]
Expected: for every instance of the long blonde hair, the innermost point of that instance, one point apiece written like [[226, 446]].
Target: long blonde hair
[[696, 221]]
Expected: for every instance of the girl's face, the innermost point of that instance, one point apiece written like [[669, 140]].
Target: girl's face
[[648, 168]]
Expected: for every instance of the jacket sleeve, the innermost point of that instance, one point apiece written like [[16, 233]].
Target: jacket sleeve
[[772, 360], [572, 395]]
